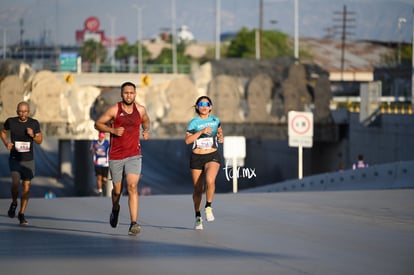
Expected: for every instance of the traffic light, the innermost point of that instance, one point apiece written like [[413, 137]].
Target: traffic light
[[145, 80]]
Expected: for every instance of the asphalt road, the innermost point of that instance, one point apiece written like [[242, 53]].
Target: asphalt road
[[344, 232]]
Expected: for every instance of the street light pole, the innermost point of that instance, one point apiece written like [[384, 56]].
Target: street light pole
[[173, 40], [217, 29], [112, 43], [139, 35], [296, 39], [401, 20], [4, 42], [260, 42]]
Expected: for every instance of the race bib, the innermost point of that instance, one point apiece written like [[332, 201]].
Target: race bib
[[101, 161], [205, 143], [22, 146]]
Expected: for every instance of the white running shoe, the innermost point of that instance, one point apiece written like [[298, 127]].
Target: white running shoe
[[209, 214], [198, 223]]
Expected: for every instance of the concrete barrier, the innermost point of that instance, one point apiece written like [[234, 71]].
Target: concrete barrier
[[398, 175]]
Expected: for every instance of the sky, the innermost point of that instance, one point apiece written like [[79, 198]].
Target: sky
[[58, 20]]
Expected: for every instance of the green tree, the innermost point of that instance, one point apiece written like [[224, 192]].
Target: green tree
[[93, 52], [243, 45], [165, 57], [406, 54], [391, 59], [146, 55], [274, 44], [211, 52], [123, 52]]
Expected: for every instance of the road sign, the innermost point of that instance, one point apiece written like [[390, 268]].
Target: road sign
[[300, 124], [234, 147], [234, 151], [68, 78], [68, 61], [300, 129], [145, 80]]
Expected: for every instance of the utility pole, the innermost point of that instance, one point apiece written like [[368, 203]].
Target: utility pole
[[173, 37], [218, 44], [139, 37], [21, 38], [113, 40], [21, 31], [260, 42], [296, 31], [401, 20], [344, 20], [4, 43]]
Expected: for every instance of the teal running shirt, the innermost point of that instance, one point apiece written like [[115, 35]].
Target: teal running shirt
[[204, 141]]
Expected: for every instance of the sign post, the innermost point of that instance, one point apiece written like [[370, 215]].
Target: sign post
[[300, 131], [234, 151]]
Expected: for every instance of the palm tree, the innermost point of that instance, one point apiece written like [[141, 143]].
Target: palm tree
[[123, 52], [93, 52]]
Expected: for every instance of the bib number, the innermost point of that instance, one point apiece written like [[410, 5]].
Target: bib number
[[101, 161], [205, 143], [22, 146]]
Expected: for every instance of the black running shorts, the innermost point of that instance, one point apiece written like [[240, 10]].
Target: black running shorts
[[101, 170], [26, 169], [198, 161]]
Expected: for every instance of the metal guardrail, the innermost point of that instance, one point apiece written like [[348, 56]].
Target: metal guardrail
[[385, 99], [147, 68], [108, 68]]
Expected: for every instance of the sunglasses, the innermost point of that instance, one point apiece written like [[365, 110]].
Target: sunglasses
[[204, 104]]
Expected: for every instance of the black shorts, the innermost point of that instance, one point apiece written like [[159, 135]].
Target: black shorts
[[198, 161], [100, 170], [24, 168]]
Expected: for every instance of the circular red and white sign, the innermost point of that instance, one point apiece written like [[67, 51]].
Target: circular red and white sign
[[301, 124], [92, 24]]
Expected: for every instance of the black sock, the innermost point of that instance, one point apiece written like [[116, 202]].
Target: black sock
[[208, 204], [198, 214]]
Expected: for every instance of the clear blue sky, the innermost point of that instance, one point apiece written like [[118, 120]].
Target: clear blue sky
[[59, 19]]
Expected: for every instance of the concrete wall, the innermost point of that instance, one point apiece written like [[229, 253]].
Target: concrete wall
[[165, 166], [390, 138]]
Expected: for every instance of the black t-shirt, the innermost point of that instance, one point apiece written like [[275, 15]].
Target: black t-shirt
[[23, 143]]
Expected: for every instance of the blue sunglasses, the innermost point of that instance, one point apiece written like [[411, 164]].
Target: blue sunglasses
[[203, 104]]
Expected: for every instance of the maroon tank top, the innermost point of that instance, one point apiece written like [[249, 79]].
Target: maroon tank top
[[128, 144]]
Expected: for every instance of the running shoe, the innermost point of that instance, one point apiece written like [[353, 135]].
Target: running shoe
[[12, 210], [113, 219], [209, 214], [22, 220], [198, 223], [134, 229]]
